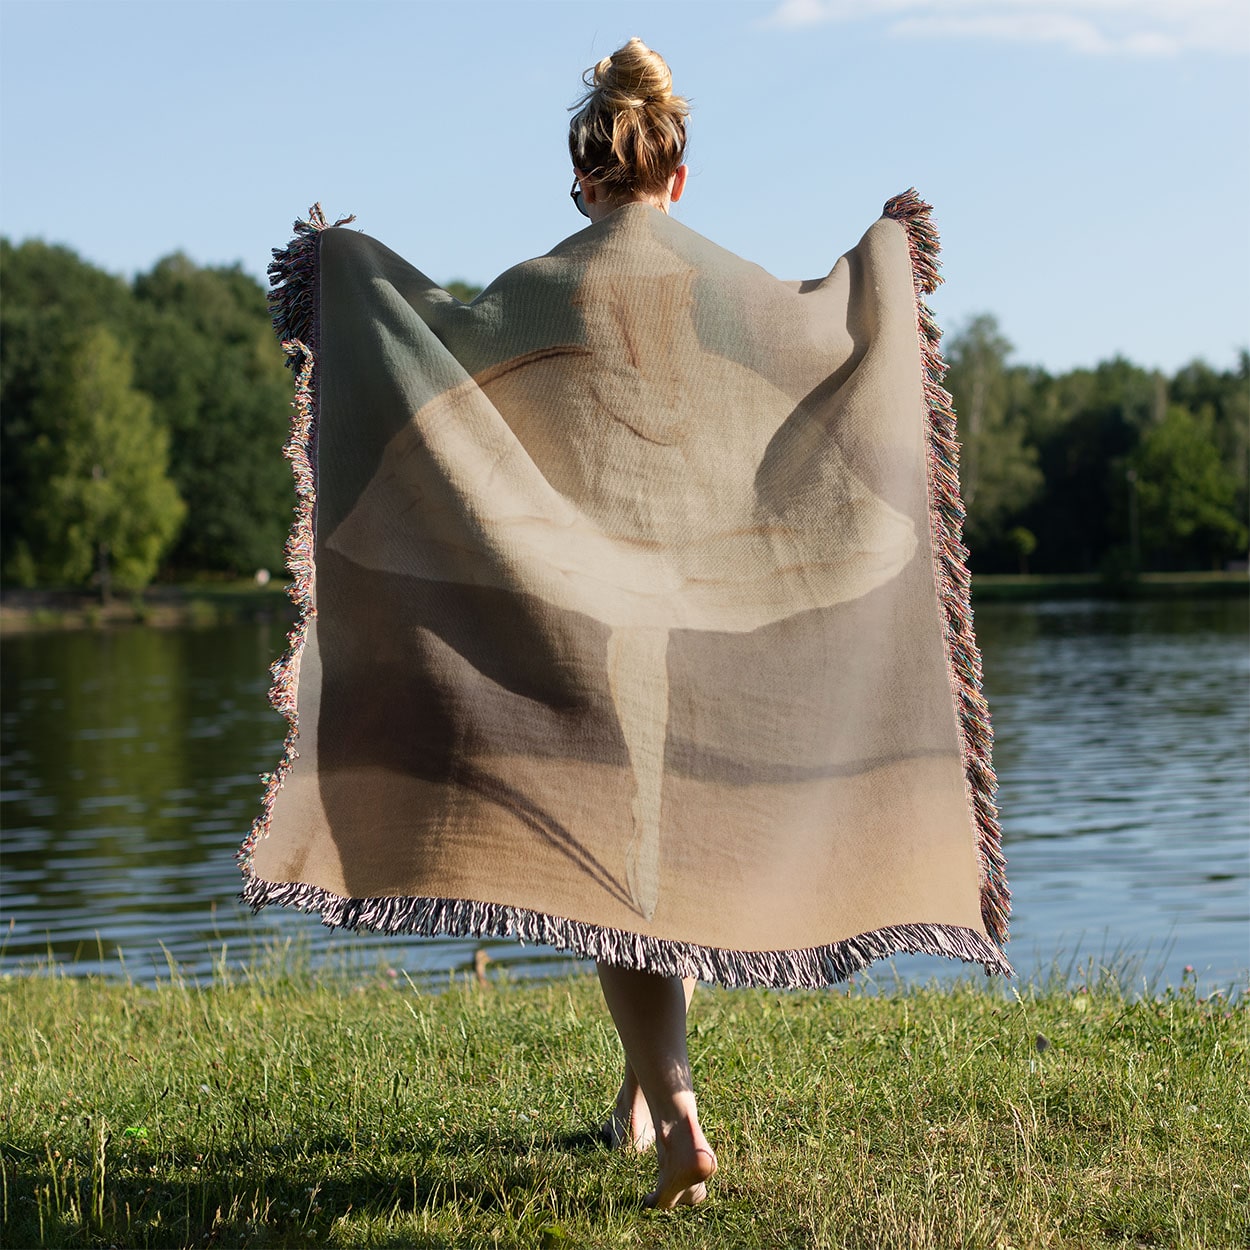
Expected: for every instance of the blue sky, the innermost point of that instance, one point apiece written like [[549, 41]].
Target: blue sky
[[1088, 159]]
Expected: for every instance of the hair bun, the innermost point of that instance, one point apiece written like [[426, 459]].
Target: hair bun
[[629, 129], [633, 77]]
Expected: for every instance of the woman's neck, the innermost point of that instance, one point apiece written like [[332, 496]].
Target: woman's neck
[[601, 208]]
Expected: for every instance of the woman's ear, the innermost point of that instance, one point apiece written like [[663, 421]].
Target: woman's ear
[[589, 186], [678, 183]]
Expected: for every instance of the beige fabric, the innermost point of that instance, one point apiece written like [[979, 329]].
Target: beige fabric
[[625, 609]]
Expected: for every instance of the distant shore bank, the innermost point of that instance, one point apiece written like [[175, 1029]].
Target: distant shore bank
[[168, 607], [215, 603], [1002, 587]]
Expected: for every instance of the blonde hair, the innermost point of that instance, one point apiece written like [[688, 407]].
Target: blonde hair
[[629, 131]]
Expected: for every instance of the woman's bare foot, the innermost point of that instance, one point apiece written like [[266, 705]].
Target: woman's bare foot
[[686, 1165], [649, 1011], [629, 1126]]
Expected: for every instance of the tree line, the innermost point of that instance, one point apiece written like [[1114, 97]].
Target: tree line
[[141, 423], [1114, 470]]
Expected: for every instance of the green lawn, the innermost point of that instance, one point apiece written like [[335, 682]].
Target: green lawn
[[279, 1108]]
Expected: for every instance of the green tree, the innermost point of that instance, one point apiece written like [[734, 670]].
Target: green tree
[[1024, 543], [1221, 398], [1087, 423], [51, 296], [207, 356], [465, 292], [998, 466], [103, 506], [1187, 494]]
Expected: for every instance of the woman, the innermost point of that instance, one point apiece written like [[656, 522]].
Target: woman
[[628, 143], [640, 621]]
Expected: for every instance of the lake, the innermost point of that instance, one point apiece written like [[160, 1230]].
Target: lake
[[131, 759]]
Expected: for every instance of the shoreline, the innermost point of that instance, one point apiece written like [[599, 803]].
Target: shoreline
[[1035, 587], [174, 606], [202, 604]]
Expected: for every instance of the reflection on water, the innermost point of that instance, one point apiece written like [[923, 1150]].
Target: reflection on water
[[131, 759]]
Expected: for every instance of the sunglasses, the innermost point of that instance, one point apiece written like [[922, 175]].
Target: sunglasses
[[576, 196]]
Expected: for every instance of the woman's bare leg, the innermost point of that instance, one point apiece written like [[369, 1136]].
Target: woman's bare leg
[[649, 1012], [629, 1127], [629, 1124]]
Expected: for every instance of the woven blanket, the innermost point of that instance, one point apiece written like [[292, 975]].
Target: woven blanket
[[633, 612]]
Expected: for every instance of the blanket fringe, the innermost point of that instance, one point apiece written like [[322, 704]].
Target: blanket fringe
[[293, 304], [951, 564], [809, 968], [293, 281]]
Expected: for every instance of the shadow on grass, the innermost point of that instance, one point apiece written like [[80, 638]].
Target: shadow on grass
[[295, 1193]]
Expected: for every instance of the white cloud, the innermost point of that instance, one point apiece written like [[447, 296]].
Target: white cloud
[[1137, 28]]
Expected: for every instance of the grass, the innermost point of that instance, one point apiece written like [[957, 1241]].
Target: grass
[[281, 1107]]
